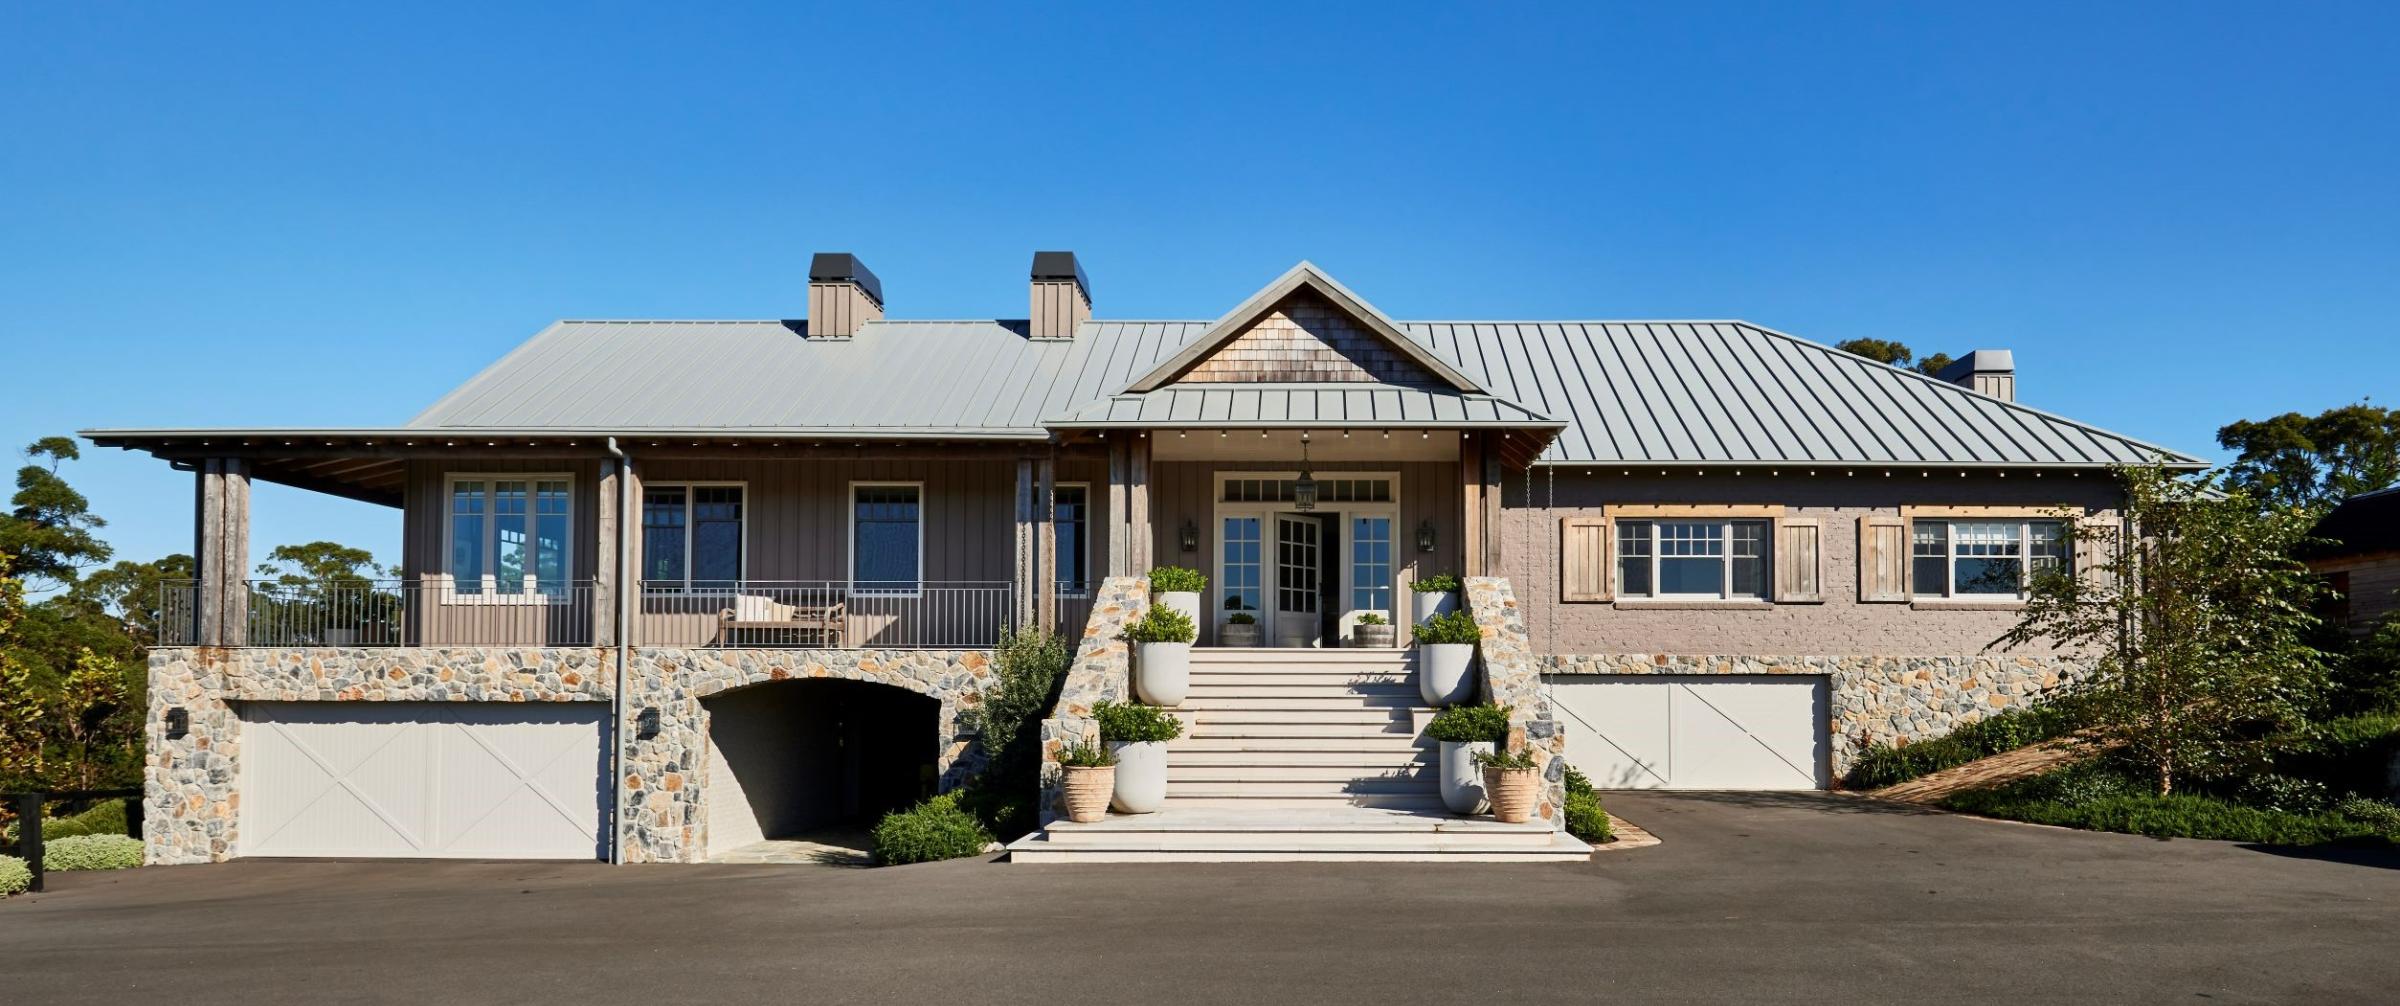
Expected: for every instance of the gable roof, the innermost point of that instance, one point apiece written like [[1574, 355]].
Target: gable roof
[[1308, 277]]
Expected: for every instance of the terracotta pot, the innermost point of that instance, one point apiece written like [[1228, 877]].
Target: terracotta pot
[[1088, 790], [1512, 792]]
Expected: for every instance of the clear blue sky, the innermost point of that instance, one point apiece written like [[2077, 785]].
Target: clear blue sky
[[331, 214]]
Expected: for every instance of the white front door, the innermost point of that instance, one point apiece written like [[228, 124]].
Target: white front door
[[423, 779], [1638, 731], [1298, 549]]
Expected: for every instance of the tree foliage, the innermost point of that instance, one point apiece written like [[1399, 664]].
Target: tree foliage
[[50, 528], [2292, 459], [2196, 632], [1896, 354]]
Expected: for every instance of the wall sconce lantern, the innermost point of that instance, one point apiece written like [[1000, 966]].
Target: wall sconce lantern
[[1425, 537], [1304, 492], [1188, 537], [179, 723], [645, 726]]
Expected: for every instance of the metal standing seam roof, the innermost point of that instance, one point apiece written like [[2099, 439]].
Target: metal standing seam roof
[[1634, 392]]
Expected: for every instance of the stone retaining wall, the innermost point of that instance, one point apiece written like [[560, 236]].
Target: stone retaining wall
[[1874, 699], [1102, 671], [1512, 676]]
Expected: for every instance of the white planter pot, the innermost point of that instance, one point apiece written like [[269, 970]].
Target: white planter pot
[[1162, 672], [1462, 779], [1141, 776], [1429, 604], [1185, 601], [1230, 634], [1445, 673]]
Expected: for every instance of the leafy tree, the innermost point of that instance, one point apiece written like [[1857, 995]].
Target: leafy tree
[[1896, 354], [320, 562], [2294, 459], [2196, 632], [132, 592], [21, 702], [50, 527]]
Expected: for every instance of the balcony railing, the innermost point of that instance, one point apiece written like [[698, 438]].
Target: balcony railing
[[931, 614], [432, 612]]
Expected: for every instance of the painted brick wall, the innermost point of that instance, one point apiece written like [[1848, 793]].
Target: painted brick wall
[[1841, 625]]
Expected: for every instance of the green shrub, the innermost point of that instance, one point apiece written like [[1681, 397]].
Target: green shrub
[[1586, 819], [1885, 764], [1177, 579], [1028, 668], [2382, 815], [1134, 723], [15, 876], [2367, 679], [2287, 794], [1435, 583], [1455, 627], [1506, 760], [104, 818], [2079, 797], [936, 829], [1373, 618], [1087, 756], [1162, 624], [92, 852], [1470, 724], [2347, 755], [1241, 618]]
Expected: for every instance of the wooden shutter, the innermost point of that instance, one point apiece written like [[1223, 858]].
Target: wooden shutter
[[2097, 542], [1882, 559], [1799, 546], [1583, 559]]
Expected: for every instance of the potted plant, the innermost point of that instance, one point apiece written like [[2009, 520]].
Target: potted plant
[[1511, 780], [1179, 588], [1445, 656], [1374, 630], [1240, 629], [1137, 736], [1162, 665], [1436, 594], [1091, 780], [1466, 733]]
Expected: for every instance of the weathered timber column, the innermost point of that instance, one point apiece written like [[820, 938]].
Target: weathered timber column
[[1494, 556], [1022, 566], [606, 578], [1470, 491], [1137, 507], [221, 551], [1120, 478], [1045, 540]]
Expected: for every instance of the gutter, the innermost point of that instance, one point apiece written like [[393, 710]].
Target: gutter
[[624, 624]]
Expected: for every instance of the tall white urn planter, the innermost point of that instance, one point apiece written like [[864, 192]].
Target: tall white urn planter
[[1444, 675], [1186, 601], [1434, 602], [1162, 673], [1462, 779], [1141, 776]]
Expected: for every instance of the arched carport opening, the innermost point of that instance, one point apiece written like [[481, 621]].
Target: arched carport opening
[[793, 758]]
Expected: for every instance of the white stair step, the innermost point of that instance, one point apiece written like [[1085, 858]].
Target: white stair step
[[1390, 716], [1331, 789], [1427, 803], [1397, 701], [1244, 677], [1178, 755], [1280, 730], [1276, 775], [1204, 656], [1268, 740]]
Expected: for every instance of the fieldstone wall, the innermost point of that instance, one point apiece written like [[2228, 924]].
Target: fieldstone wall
[[1513, 677], [663, 786], [1101, 671], [1874, 699], [193, 797]]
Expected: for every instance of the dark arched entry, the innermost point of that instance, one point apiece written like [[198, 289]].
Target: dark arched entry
[[787, 758]]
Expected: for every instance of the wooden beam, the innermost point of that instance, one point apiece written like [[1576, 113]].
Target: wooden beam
[[1493, 559], [606, 578], [1022, 566], [1046, 540], [1137, 504], [221, 551], [1120, 478], [1470, 490]]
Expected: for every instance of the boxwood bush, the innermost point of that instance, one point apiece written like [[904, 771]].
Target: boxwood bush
[[1134, 723], [1177, 579], [936, 829], [1455, 627], [1585, 817], [1470, 724], [15, 876], [1162, 624], [1435, 583], [104, 818], [1885, 764], [92, 852]]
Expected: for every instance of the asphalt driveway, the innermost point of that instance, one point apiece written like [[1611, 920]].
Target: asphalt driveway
[[1806, 897]]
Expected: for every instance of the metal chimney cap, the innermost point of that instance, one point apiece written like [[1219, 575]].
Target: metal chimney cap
[[1059, 266], [1981, 361], [843, 267]]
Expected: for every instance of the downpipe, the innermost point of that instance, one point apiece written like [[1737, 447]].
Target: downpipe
[[624, 627]]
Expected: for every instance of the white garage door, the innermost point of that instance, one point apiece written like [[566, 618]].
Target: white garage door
[[1695, 732], [423, 780]]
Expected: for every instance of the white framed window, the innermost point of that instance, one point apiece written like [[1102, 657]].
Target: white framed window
[[1993, 558], [1371, 563], [887, 538], [1071, 510], [1693, 559], [1239, 578], [508, 536], [693, 536]]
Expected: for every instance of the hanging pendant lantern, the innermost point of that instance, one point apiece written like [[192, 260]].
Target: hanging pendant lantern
[[1304, 492]]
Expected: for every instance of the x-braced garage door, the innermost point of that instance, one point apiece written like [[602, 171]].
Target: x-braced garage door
[[1639, 731], [423, 780]]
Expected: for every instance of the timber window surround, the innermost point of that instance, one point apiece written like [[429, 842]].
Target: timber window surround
[[692, 536], [508, 535], [1071, 510], [887, 538], [1983, 558], [1693, 559]]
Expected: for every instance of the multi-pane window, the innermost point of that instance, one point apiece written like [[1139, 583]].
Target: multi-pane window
[[1071, 510], [1241, 564], [1333, 490], [1370, 564], [886, 538], [1982, 558], [1692, 558], [691, 537], [508, 535]]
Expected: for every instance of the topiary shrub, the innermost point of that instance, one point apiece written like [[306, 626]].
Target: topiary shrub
[[15, 876], [1177, 580], [1162, 624], [1470, 724], [1435, 583], [1455, 627], [105, 818], [1134, 723], [92, 852], [1586, 819], [936, 829]]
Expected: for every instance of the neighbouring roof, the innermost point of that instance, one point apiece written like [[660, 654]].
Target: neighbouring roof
[[2361, 525]]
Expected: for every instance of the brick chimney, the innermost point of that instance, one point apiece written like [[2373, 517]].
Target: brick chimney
[[1062, 295], [1986, 371], [842, 296]]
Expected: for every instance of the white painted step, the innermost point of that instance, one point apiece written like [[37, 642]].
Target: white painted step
[[1396, 729], [1331, 789], [1246, 678], [1180, 755], [1269, 740], [1205, 704], [1397, 717], [1428, 802], [1297, 655], [1249, 776]]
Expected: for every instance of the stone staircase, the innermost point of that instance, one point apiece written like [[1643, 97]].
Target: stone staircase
[[1299, 755]]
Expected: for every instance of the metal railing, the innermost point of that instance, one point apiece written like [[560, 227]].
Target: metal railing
[[929, 614], [429, 612]]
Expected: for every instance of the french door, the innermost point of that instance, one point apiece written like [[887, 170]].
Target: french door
[[1298, 545]]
